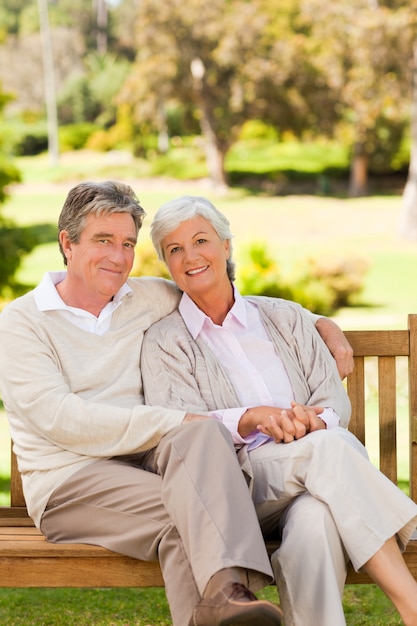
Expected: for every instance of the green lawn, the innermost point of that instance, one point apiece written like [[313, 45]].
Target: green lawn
[[296, 228]]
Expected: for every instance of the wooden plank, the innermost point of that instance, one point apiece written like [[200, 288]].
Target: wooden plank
[[356, 391], [412, 385], [19, 514], [20, 531], [37, 547], [120, 571], [16, 489], [387, 401], [379, 342]]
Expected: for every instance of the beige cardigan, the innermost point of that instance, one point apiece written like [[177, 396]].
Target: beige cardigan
[[180, 372]]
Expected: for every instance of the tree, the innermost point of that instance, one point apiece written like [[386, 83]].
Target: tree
[[233, 61], [364, 55], [14, 242]]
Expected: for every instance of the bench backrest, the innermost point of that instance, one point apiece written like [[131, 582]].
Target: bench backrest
[[387, 346]]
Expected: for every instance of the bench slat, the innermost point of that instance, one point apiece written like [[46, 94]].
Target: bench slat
[[387, 402], [379, 342], [121, 571]]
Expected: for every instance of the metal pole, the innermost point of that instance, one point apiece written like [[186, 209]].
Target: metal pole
[[49, 81]]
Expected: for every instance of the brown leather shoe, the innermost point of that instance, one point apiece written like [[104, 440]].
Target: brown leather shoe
[[235, 605]]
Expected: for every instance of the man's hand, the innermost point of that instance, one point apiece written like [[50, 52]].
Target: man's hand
[[338, 345], [283, 425]]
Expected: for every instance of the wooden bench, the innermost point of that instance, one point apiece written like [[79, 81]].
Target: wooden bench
[[27, 560]]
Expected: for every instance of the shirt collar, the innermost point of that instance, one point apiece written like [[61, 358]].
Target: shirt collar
[[195, 319], [47, 297]]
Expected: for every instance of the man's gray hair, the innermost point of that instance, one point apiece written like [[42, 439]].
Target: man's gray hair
[[101, 198], [173, 213]]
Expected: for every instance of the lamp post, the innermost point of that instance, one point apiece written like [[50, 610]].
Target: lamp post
[[49, 81]]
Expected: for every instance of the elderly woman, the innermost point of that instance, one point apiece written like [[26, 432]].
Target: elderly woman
[[258, 365]]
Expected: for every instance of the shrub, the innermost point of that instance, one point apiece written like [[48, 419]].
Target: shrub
[[257, 129], [343, 278], [147, 262], [75, 136], [323, 285], [15, 243], [260, 275], [32, 143]]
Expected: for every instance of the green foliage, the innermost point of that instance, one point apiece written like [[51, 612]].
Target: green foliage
[[342, 277], [75, 136], [89, 96], [259, 274], [8, 174], [182, 162], [77, 101], [15, 243], [323, 286], [257, 129], [32, 143], [147, 263]]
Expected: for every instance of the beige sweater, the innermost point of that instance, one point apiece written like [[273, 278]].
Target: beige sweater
[[72, 396], [180, 372]]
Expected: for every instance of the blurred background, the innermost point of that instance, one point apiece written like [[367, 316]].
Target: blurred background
[[297, 117]]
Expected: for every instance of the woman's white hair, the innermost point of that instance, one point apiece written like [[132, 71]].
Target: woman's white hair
[[173, 213]]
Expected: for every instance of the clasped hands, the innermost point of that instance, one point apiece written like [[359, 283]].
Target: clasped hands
[[283, 425]]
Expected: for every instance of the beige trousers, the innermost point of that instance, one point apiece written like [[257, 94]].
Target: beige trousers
[[329, 504], [185, 503]]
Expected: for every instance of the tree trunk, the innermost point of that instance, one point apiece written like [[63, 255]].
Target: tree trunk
[[214, 156], [214, 153], [408, 216], [102, 19], [358, 182]]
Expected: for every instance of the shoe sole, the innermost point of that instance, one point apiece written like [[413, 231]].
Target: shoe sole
[[255, 616]]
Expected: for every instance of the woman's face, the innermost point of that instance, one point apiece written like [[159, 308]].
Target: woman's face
[[196, 257]]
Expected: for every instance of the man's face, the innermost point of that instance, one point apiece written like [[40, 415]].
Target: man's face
[[99, 264]]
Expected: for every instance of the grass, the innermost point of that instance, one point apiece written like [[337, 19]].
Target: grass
[[364, 606], [296, 228]]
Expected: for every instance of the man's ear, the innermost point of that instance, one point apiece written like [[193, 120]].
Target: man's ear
[[65, 244]]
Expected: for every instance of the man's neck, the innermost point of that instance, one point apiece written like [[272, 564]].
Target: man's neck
[[75, 298]]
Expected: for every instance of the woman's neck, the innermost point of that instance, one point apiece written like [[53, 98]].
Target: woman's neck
[[217, 305]]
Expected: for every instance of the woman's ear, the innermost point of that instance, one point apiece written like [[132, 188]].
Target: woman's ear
[[227, 248]]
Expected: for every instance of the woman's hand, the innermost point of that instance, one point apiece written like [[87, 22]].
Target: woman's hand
[[282, 425]]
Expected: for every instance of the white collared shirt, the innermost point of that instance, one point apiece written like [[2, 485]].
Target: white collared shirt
[[47, 298], [245, 350]]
